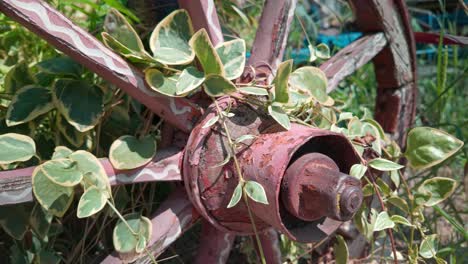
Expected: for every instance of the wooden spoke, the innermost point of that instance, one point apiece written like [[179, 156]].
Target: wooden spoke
[[59, 31], [15, 185], [351, 58], [272, 34], [171, 220], [203, 14], [215, 245]]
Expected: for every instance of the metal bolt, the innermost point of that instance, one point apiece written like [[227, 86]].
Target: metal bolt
[[313, 187]]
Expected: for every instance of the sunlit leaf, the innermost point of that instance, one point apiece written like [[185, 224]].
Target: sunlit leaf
[[17, 77], [189, 80], [341, 250], [129, 152], [253, 91], [236, 196], [93, 171], [438, 189], [243, 138], [345, 116], [206, 53], [63, 172], [256, 192], [310, 80], [312, 57], [428, 249], [384, 165], [16, 147], [232, 55], [211, 121], [383, 221], [61, 152], [427, 147], [279, 116], [125, 241], [216, 85], [281, 81], [169, 41], [91, 202], [166, 85], [118, 27], [322, 51], [398, 219], [399, 202], [358, 170]]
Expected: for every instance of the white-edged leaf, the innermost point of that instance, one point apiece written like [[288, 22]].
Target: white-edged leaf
[[93, 171], [312, 57], [395, 177], [63, 172], [91, 202], [61, 152], [232, 55], [166, 85], [383, 221], [358, 170], [428, 249], [236, 196], [311, 81], [253, 91], [243, 138], [169, 41], [16, 147], [217, 85], [256, 192], [399, 202], [189, 80], [345, 116], [322, 51], [129, 152], [211, 122], [28, 103], [281, 81], [206, 53], [141, 244], [279, 116], [125, 241], [118, 28], [438, 189], [398, 219], [384, 165]]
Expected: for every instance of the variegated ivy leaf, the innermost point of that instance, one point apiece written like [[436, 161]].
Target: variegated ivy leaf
[[369, 129], [17, 77], [310, 80], [133, 56], [61, 152], [126, 240], [166, 85], [437, 189], [91, 202], [358, 170], [40, 221], [169, 41], [217, 85], [256, 192], [189, 80], [53, 197], [122, 32], [428, 247], [232, 54], [93, 171], [281, 81], [322, 51], [63, 172], [236, 196], [383, 221], [16, 147], [141, 244], [384, 165], [129, 152], [28, 103], [279, 116], [206, 53], [427, 147], [14, 219], [61, 66], [253, 91], [328, 118], [355, 127], [80, 103], [73, 136], [211, 121]]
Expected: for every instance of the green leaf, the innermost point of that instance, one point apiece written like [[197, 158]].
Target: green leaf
[[427, 147], [368, 190], [427, 249], [328, 118], [341, 251], [129, 152], [398, 219], [377, 126], [28, 103], [91, 202], [14, 220], [358, 170], [384, 165], [17, 77], [217, 85], [63, 172], [131, 55], [322, 51], [119, 29], [141, 244], [69, 132], [311, 81], [80, 103], [438, 188], [166, 85], [312, 57], [206, 53], [345, 116], [281, 81], [279, 116], [125, 241], [47, 257], [169, 41], [243, 138], [61, 66], [253, 91], [93, 171], [16, 147], [355, 127], [211, 122], [256, 192], [383, 221], [399, 202], [53, 197], [40, 221], [395, 177], [232, 55], [236, 196], [189, 80], [61, 152]]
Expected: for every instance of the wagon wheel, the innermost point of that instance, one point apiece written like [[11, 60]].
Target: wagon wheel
[[388, 42]]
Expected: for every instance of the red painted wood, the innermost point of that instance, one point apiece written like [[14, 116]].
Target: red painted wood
[[15, 185], [203, 14], [59, 31], [270, 244], [214, 245], [272, 34], [351, 58]]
